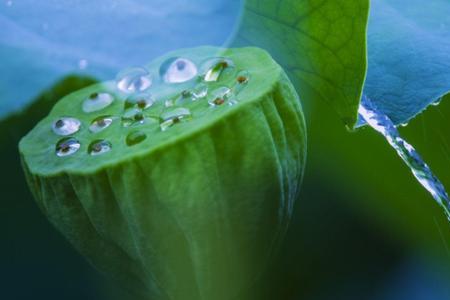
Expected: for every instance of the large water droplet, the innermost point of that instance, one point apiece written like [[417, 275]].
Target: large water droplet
[[177, 70], [141, 101], [98, 147], [67, 146], [174, 116], [97, 101], [66, 126], [199, 91], [100, 123], [135, 137], [133, 80], [216, 68], [220, 96]]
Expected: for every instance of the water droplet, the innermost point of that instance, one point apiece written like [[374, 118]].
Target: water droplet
[[100, 123], [174, 116], [98, 147], [168, 103], [141, 101], [220, 96], [133, 80], [185, 97], [200, 91], [243, 77], [135, 137], [134, 116], [67, 146], [404, 124], [66, 126], [177, 70], [97, 101], [215, 68]]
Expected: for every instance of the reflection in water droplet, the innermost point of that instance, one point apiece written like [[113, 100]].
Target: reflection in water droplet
[[220, 96], [82, 64], [66, 126], [177, 70], [404, 124], [133, 80], [135, 137], [141, 101], [199, 91], [215, 68], [97, 101], [67, 146], [174, 116], [98, 147], [168, 103], [100, 123]]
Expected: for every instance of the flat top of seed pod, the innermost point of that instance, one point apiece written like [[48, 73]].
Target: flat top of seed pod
[[147, 108]]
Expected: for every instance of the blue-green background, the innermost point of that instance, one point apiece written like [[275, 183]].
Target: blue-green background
[[362, 228]]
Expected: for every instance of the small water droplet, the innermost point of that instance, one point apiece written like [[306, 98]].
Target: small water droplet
[[174, 116], [97, 101], [185, 97], [168, 103], [98, 147], [404, 124], [66, 126], [67, 146], [133, 80], [220, 96], [200, 91], [135, 137], [100, 123], [141, 101], [134, 116], [177, 70], [215, 68]]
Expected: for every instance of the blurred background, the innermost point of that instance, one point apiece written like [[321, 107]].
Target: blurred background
[[363, 228]]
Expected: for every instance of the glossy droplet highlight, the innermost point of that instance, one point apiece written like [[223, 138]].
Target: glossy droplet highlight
[[66, 126], [177, 70], [99, 147], [216, 68], [100, 123], [97, 101], [140, 101], [67, 146], [220, 96], [174, 116], [200, 91], [135, 138], [133, 80]]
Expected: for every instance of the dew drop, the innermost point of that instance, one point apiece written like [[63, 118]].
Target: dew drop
[[200, 91], [177, 70], [135, 137], [100, 123], [215, 68], [97, 101], [133, 80], [174, 116], [141, 101], [67, 146], [220, 96], [98, 147], [66, 126]]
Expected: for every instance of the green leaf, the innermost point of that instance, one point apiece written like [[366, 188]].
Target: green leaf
[[409, 56], [320, 43]]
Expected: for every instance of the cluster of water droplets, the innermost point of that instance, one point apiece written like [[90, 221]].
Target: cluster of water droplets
[[383, 124], [139, 104]]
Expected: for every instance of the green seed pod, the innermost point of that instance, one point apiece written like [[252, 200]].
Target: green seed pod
[[178, 179]]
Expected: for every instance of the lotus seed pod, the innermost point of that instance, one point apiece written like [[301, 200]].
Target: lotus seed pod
[[182, 191]]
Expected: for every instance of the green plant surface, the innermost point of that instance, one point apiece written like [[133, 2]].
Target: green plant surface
[[408, 54], [195, 211], [320, 43], [380, 187]]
